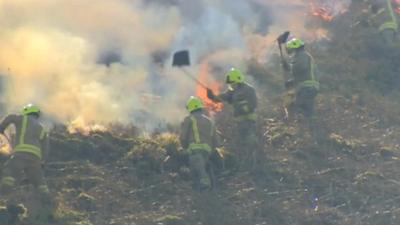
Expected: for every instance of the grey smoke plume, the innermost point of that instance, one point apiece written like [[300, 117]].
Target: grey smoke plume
[[104, 61]]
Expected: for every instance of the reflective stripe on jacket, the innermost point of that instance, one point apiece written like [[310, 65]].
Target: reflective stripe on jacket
[[243, 98], [198, 145], [391, 24], [30, 134], [311, 81], [198, 133], [22, 146]]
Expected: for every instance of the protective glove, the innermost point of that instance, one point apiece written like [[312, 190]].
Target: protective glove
[[210, 94], [285, 65], [289, 83]]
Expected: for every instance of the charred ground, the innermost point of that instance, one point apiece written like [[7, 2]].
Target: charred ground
[[342, 170]]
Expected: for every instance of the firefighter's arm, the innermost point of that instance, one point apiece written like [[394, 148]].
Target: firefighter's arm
[[218, 148], [7, 121], [253, 99], [183, 136], [285, 65], [287, 71], [225, 96], [45, 142], [216, 139]]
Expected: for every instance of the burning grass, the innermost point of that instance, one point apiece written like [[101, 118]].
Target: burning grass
[[201, 92], [342, 170], [327, 10]]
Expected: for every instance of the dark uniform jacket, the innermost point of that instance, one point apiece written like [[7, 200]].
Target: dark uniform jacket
[[302, 69], [198, 129], [243, 99], [31, 137]]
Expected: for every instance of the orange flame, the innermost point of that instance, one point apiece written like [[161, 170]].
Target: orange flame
[[327, 10], [80, 126], [201, 92], [323, 12], [5, 148]]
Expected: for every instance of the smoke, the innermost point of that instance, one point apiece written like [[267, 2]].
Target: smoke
[[105, 61], [79, 59]]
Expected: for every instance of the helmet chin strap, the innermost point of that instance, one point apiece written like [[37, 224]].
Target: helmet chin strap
[[232, 86]]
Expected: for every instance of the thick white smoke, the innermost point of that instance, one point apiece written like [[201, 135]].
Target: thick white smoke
[[52, 51], [104, 61]]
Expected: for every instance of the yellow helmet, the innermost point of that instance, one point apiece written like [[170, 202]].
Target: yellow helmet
[[194, 103], [234, 76], [294, 44], [30, 109]]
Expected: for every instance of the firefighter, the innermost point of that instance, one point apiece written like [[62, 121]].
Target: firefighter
[[382, 15], [243, 98], [301, 72], [31, 148], [199, 137]]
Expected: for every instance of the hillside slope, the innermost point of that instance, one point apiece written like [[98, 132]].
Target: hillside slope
[[341, 170]]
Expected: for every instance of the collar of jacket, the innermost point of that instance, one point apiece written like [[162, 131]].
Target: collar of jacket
[[197, 112]]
